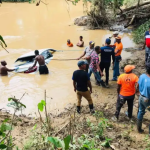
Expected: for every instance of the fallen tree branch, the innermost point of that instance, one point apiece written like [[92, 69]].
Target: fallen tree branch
[[133, 7]]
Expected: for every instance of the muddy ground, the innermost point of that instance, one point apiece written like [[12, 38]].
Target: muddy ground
[[123, 133]]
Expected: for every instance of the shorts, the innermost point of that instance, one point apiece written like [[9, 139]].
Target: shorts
[[43, 69]]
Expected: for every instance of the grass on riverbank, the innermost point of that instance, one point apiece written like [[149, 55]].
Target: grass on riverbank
[[139, 33]]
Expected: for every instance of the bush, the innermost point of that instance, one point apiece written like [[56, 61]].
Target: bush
[[139, 33]]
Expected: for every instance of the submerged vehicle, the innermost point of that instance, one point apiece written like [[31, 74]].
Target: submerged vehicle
[[27, 60]]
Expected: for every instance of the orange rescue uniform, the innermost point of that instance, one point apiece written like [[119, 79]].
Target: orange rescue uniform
[[119, 47], [127, 82]]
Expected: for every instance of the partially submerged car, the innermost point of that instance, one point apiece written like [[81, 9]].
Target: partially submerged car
[[27, 60]]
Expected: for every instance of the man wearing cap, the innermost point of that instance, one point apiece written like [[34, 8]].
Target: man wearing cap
[[118, 49], [126, 91], [81, 82], [106, 53], [87, 52], [147, 44], [144, 98], [115, 34]]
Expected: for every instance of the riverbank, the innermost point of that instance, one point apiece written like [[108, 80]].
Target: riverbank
[[87, 127]]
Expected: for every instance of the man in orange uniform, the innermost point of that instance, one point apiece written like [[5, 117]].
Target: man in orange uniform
[[118, 49], [127, 83], [69, 43]]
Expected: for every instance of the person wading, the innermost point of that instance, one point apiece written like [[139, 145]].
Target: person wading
[[81, 42], [4, 70], [144, 98], [94, 66], [118, 49], [147, 44], [127, 84], [87, 52], [69, 44], [81, 82], [42, 66], [106, 53]]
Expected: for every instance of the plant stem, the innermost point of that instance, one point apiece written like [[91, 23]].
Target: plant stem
[[47, 119]]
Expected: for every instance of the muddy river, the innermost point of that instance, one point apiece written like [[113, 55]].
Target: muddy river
[[26, 27]]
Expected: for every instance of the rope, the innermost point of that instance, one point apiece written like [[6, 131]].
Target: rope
[[63, 59]]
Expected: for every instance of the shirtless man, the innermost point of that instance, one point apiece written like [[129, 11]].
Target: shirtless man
[[81, 42], [4, 70], [40, 59]]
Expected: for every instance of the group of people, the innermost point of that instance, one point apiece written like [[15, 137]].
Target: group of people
[[129, 84], [94, 60]]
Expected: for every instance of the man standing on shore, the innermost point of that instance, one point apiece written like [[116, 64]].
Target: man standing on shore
[[81, 82], [147, 44], [118, 49], [87, 52], [126, 91], [144, 98], [106, 53], [94, 66]]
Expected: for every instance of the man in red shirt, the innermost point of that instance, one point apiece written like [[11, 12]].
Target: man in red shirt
[[126, 91], [147, 44]]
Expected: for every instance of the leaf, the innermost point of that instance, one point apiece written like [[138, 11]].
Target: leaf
[[9, 99], [3, 146], [67, 141], [105, 144], [43, 102], [57, 142], [1, 133], [41, 105]]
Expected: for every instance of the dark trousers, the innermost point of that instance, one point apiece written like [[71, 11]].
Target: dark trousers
[[87, 67], [119, 106], [106, 67]]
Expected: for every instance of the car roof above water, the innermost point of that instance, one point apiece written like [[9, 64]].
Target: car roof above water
[[33, 54]]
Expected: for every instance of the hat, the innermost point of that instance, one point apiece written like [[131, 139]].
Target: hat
[[81, 62], [128, 68], [108, 41], [116, 32], [92, 42], [118, 37]]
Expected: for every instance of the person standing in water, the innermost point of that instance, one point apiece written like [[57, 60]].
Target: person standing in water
[[4, 70], [69, 44], [81, 42], [81, 82], [42, 66], [87, 52]]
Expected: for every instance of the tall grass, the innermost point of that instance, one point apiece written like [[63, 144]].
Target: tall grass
[[139, 33]]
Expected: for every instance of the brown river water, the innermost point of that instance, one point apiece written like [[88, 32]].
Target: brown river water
[[26, 27]]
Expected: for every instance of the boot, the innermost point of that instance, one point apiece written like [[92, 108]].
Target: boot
[[78, 109], [139, 126], [102, 83], [91, 108]]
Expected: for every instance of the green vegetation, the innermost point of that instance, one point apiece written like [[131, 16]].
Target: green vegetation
[[139, 33]]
